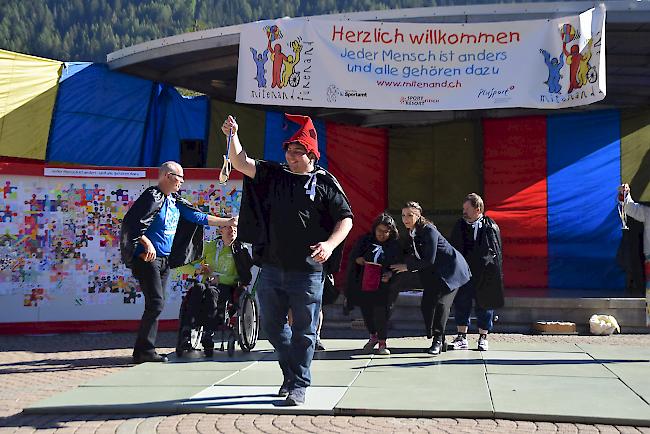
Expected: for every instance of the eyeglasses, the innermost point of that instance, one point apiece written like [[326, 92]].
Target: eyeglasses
[[295, 152], [177, 176]]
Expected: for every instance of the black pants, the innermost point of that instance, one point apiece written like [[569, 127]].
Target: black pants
[[376, 318], [201, 308], [436, 304], [152, 277]]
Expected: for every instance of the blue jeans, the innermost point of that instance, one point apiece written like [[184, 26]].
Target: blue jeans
[[301, 291], [463, 308]]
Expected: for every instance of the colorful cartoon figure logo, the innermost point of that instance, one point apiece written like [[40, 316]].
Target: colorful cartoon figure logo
[[580, 71], [283, 70]]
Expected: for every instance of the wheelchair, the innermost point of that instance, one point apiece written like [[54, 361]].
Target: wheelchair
[[209, 310]]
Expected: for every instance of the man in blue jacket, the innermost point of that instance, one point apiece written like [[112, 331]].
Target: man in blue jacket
[[161, 231]]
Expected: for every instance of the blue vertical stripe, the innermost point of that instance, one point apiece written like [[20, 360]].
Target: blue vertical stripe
[[171, 119], [584, 230]]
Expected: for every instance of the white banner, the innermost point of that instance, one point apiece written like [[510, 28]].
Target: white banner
[[93, 173], [405, 66]]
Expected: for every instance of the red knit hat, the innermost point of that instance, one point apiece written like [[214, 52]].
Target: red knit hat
[[306, 135]]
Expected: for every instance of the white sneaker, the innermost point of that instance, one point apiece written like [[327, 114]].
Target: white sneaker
[[460, 343], [483, 343], [383, 351]]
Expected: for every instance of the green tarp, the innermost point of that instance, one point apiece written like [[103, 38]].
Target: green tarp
[[251, 130], [436, 166], [635, 152]]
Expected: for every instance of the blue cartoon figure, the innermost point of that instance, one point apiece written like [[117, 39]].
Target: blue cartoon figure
[[260, 60], [554, 66]]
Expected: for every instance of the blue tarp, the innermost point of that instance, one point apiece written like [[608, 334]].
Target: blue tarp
[[71, 68], [584, 230], [172, 118], [99, 118], [278, 129], [153, 134]]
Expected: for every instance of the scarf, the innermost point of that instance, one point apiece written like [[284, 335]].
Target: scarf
[[415, 251], [476, 225]]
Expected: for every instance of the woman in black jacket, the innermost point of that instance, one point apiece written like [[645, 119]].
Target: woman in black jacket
[[379, 246], [442, 270]]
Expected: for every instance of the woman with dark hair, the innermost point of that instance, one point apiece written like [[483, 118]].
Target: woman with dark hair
[[378, 249], [442, 270]]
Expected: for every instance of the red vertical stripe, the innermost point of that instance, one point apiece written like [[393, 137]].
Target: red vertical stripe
[[358, 157], [516, 196]]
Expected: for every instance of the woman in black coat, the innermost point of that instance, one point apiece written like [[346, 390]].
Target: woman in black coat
[[442, 270], [379, 246]]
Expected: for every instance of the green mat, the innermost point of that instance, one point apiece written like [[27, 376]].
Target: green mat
[[537, 382]]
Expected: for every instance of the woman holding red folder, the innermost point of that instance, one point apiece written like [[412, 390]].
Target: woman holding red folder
[[368, 276]]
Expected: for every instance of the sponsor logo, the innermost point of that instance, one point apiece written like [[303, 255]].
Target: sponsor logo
[[417, 100], [497, 95], [333, 93]]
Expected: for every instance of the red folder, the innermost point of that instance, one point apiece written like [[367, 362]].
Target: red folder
[[371, 277]]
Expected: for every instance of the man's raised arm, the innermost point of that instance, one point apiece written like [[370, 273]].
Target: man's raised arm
[[240, 161]]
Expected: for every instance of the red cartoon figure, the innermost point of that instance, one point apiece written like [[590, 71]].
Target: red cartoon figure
[[573, 60], [278, 58], [578, 61]]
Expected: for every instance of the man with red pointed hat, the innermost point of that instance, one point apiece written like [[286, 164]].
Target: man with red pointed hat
[[297, 216]]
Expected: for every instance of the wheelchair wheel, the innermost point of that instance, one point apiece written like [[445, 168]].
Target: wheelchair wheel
[[294, 79], [592, 74], [248, 324]]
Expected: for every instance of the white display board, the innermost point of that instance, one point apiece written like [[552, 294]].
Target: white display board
[[59, 251]]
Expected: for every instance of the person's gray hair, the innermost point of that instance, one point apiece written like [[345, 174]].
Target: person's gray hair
[[168, 167]]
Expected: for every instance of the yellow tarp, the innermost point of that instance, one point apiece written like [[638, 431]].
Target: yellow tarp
[[28, 87], [635, 152], [251, 122]]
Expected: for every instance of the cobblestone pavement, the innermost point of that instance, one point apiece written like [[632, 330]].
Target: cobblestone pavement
[[36, 367]]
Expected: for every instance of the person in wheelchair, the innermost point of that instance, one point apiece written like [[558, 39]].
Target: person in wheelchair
[[221, 275]]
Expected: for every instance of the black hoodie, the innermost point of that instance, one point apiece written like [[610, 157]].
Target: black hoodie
[[188, 240]]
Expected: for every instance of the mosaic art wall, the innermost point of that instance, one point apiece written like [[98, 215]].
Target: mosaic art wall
[[59, 252]]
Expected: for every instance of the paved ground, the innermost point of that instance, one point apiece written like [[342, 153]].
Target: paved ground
[[36, 367]]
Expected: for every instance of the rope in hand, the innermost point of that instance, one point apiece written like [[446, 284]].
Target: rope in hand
[[227, 165]]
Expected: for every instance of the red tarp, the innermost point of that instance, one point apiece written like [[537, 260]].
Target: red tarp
[[358, 157], [515, 193]]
